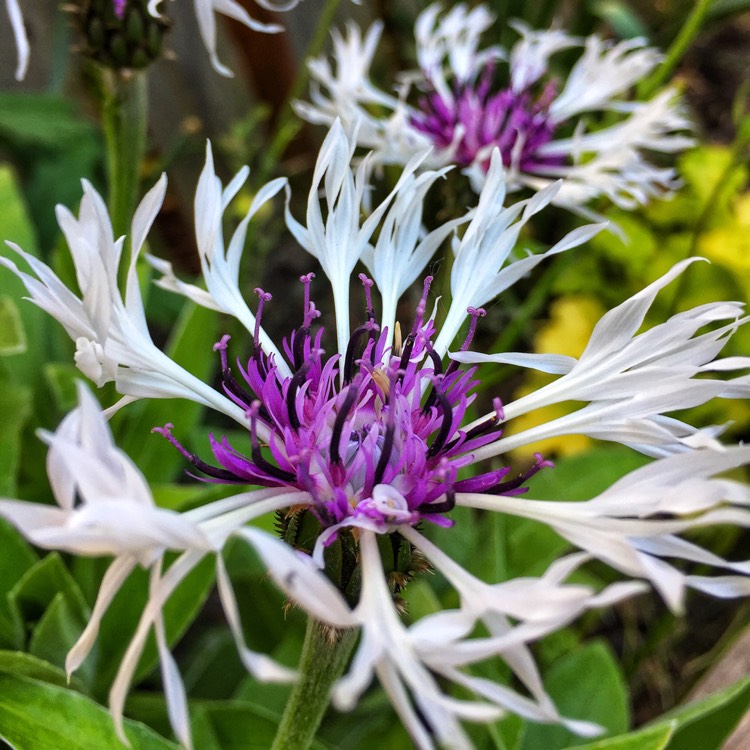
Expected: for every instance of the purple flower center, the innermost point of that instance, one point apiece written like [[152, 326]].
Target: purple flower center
[[473, 120], [374, 436], [119, 6]]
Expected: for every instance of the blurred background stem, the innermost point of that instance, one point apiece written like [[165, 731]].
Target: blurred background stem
[[689, 30], [289, 123], [124, 118]]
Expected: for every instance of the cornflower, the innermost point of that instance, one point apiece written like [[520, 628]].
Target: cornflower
[[459, 102], [363, 454]]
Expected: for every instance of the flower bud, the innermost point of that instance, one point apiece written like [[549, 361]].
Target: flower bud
[[121, 34]]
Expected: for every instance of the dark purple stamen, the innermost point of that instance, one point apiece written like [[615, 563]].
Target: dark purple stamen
[[482, 428], [302, 334], [199, 463], [437, 364], [338, 425], [263, 297], [446, 506], [515, 485], [445, 425], [257, 454], [368, 328], [230, 383], [368, 283], [406, 352], [385, 454], [291, 395]]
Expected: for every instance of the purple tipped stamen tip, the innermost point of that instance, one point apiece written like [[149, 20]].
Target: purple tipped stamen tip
[[221, 344]]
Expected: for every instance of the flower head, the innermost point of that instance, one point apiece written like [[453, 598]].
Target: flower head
[[363, 452], [458, 103]]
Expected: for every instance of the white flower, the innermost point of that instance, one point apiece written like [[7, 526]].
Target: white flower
[[110, 332], [450, 103], [631, 379], [370, 444], [407, 660], [625, 525], [205, 10]]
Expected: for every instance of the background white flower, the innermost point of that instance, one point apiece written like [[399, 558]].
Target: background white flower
[[452, 104]]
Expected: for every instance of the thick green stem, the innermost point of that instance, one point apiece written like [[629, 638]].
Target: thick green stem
[[677, 49], [737, 158], [324, 657], [124, 114]]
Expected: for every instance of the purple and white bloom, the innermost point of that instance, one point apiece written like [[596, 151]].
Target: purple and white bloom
[[456, 103], [205, 11], [364, 451]]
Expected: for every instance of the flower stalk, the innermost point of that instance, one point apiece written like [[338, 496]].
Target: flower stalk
[[325, 653], [693, 24], [124, 115]]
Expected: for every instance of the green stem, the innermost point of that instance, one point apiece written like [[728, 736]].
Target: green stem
[[324, 655], [124, 114], [735, 160], [677, 50]]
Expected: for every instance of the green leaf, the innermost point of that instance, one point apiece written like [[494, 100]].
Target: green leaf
[[372, 725], [25, 665], [28, 323], [39, 586], [17, 226], [238, 725], [39, 119], [15, 407], [12, 333], [38, 716], [586, 684], [621, 18], [720, 8], [651, 738], [707, 723], [203, 732], [56, 632], [421, 599], [61, 378], [16, 558]]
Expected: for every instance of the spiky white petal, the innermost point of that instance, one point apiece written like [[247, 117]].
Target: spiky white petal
[[624, 525]]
